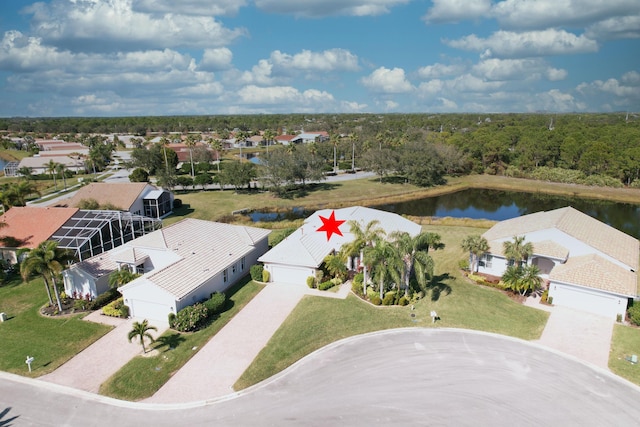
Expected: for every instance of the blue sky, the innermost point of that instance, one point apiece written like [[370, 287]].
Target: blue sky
[[166, 57]]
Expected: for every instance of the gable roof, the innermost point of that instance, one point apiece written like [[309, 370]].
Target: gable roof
[[120, 195], [307, 247], [595, 272], [203, 249], [33, 225], [590, 231]]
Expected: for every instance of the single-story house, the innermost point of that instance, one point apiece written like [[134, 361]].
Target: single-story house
[[587, 264], [302, 253], [138, 198], [39, 164], [180, 265]]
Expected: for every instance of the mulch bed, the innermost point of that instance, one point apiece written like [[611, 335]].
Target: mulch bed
[[68, 308]]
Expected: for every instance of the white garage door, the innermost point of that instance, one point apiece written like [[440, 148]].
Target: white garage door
[[149, 310], [283, 274], [585, 300]]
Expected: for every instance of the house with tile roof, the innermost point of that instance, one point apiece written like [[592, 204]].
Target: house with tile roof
[[139, 198], [587, 264], [302, 253], [181, 264]]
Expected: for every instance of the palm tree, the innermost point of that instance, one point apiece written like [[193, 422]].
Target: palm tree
[[121, 277], [141, 330], [60, 168], [334, 138], [511, 277], [268, 136], [353, 138], [517, 250], [477, 246], [363, 238], [26, 172], [530, 280], [20, 191], [191, 142], [49, 261], [52, 168], [241, 137], [386, 262], [335, 265], [216, 144], [164, 141], [414, 251]]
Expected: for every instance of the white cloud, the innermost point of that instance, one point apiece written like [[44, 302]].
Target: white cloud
[[260, 74], [438, 70], [556, 100], [328, 60], [21, 53], [447, 104], [612, 87], [508, 44], [285, 95], [456, 10], [216, 59], [632, 78], [517, 69], [530, 14], [384, 80], [320, 8], [352, 106], [189, 7], [620, 27], [100, 25]]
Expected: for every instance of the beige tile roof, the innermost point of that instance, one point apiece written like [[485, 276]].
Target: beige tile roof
[[551, 249], [594, 233], [120, 195], [595, 272], [33, 225]]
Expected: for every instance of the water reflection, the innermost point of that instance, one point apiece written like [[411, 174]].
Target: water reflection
[[500, 205]]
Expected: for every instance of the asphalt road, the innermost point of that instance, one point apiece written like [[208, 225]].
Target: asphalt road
[[435, 377]]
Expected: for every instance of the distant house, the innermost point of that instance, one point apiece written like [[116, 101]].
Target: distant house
[[84, 232], [301, 254], [180, 265], [138, 198], [302, 138], [284, 139], [587, 264], [39, 164]]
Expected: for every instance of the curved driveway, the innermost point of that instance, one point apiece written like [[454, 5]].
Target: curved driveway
[[399, 377]]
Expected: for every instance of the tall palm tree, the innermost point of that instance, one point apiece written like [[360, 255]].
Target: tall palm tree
[[334, 138], [386, 262], [241, 137], [141, 330], [517, 250], [52, 169], [477, 246], [21, 190], [353, 138], [49, 261], [164, 141], [414, 251], [363, 237], [191, 142], [268, 136], [216, 144], [60, 168]]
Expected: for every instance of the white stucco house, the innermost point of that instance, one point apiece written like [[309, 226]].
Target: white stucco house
[[180, 264], [302, 253], [587, 264]]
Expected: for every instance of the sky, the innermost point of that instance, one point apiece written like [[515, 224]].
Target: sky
[[194, 57]]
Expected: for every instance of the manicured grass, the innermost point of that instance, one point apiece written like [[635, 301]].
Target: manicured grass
[[624, 343], [50, 341], [318, 321], [143, 376]]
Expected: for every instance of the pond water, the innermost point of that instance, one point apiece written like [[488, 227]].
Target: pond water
[[500, 205]]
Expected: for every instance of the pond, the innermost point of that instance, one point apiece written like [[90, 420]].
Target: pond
[[500, 205]]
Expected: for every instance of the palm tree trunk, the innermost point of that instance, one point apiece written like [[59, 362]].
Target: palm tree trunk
[[381, 289], [56, 293], [191, 158], [46, 286], [364, 280]]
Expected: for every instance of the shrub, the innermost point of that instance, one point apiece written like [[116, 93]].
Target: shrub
[[172, 320], [115, 308], [124, 311], [545, 296], [177, 203], [356, 288], [190, 318], [326, 285], [311, 282], [103, 299], [463, 264], [265, 276], [256, 272], [376, 300], [403, 301], [634, 314], [358, 278], [389, 298], [216, 303]]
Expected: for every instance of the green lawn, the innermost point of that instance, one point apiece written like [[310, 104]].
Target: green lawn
[[143, 376], [318, 321], [50, 341], [625, 342]]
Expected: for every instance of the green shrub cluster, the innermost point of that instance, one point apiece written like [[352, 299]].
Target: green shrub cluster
[[103, 299], [634, 314], [403, 301], [265, 276], [190, 318], [216, 303], [311, 282], [376, 300], [256, 272], [326, 285], [356, 288], [116, 308], [545, 296]]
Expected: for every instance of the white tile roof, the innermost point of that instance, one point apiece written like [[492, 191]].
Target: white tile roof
[[308, 247]]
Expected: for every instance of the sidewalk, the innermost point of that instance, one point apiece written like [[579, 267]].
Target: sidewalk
[[96, 363], [214, 370]]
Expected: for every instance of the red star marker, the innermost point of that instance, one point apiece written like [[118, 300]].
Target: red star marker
[[331, 225]]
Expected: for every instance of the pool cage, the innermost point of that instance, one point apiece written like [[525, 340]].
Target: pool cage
[[91, 232]]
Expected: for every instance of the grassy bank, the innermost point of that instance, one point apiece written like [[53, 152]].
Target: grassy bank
[[219, 205], [50, 341], [625, 343], [318, 321], [143, 376]]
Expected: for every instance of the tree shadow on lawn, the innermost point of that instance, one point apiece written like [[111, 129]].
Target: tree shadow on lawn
[[183, 210], [438, 287], [301, 191], [170, 341]]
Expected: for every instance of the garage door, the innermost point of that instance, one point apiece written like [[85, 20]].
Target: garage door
[[585, 300], [284, 274], [149, 310]]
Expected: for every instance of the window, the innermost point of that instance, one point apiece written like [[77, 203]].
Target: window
[[225, 275], [487, 260], [233, 269], [242, 263]]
